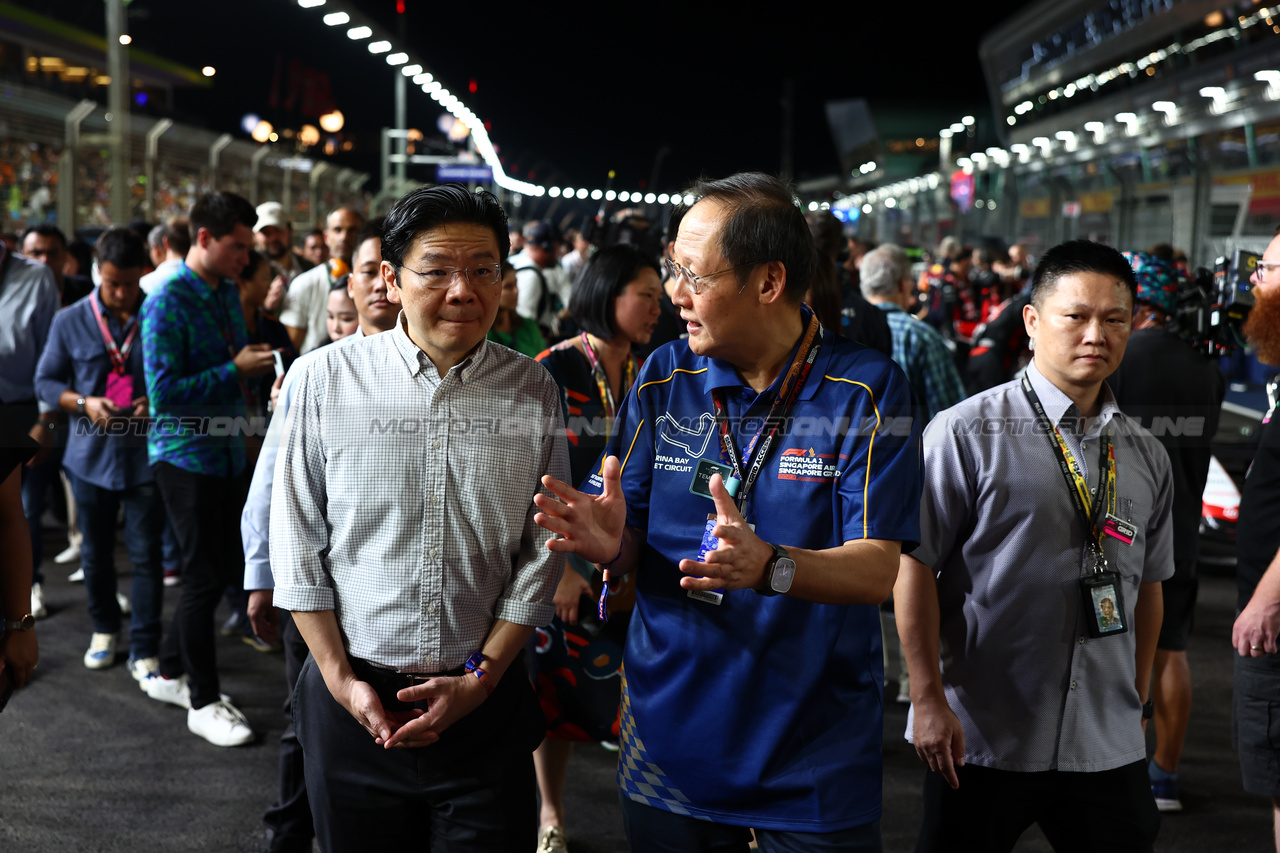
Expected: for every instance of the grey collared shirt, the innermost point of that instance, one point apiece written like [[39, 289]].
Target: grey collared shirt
[[1032, 690], [404, 501], [28, 301]]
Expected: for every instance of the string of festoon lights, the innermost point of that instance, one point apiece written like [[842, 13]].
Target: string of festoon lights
[[358, 31]]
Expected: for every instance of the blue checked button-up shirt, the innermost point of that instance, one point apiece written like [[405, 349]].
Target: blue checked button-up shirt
[[190, 334], [923, 355], [1032, 690]]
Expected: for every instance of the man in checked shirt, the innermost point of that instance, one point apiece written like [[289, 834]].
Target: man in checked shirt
[[403, 543]]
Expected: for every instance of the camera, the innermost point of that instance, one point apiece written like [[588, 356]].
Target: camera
[[1213, 305]]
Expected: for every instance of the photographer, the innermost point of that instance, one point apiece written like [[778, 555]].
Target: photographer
[[1176, 393]]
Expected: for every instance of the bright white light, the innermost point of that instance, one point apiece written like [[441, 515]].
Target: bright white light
[[610, 195], [412, 71], [126, 39], [1270, 76], [379, 47], [1011, 120], [957, 128], [663, 198], [443, 93], [650, 198], [1215, 92], [945, 133], [933, 181], [1068, 91], [890, 202], [398, 59], [583, 193], [689, 199], [208, 71], [1094, 126], [1041, 141], [357, 33], [554, 192], [310, 4], [567, 192], [866, 208], [813, 205], [334, 19], [964, 162], [991, 204], [967, 121], [596, 195], [431, 86]]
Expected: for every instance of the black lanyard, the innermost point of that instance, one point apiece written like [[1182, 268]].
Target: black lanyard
[[788, 393], [1090, 513]]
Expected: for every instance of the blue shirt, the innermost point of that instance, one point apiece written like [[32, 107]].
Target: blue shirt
[[761, 711], [190, 336], [75, 359], [28, 301], [923, 355], [255, 518]]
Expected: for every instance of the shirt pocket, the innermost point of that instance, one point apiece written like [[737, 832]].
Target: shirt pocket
[[1129, 559]]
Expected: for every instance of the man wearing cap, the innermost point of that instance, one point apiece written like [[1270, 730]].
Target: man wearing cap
[[306, 303], [1176, 393], [544, 285], [273, 236]]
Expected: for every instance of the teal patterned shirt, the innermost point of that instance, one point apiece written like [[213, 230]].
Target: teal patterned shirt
[[923, 355], [190, 334]]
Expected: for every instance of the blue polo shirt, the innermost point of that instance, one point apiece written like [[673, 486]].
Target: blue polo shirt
[[761, 711]]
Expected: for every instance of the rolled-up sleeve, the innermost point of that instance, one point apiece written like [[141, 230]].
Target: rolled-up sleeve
[[527, 599], [299, 532]]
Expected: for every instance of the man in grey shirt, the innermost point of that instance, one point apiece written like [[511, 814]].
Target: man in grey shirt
[[1042, 500], [402, 540]]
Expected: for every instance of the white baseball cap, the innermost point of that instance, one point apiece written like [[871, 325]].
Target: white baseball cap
[[270, 213]]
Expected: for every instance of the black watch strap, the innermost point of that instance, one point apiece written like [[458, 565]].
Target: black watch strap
[[1148, 709]]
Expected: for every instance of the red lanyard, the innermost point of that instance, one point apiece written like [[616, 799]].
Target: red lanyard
[[788, 393], [119, 355], [602, 381]]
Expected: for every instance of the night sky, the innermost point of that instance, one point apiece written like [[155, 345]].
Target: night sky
[[574, 90]]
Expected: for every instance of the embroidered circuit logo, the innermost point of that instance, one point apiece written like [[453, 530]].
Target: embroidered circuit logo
[[806, 465]]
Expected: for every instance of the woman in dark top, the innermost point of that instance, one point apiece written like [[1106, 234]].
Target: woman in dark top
[[254, 283], [615, 302]]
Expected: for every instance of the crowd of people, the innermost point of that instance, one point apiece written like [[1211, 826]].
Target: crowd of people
[[459, 470]]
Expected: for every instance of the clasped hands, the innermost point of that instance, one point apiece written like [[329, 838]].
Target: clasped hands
[[448, 698], [591, 526]]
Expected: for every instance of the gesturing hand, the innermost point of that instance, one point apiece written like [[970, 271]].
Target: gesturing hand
[[738, 561], [591, 525]]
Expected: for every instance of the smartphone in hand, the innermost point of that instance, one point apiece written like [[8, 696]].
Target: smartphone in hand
[[279, 360]]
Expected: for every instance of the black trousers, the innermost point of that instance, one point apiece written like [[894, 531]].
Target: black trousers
[[472, 790], [1105, 812], [205, 512], [289, 818]]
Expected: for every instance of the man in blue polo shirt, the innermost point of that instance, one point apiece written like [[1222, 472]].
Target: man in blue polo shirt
[[753, 677]]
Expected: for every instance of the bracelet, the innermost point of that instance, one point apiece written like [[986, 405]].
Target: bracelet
[[473, 666]]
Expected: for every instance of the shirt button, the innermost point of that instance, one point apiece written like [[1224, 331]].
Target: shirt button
[[1073, 685], [435, 552], [1082, 641], [434, 500], [435, 445], [431, 608]]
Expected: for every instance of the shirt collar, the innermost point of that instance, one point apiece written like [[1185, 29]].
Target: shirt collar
[[889, 307], [722, 374], [95, 295], [1058, 405], [419, 362]]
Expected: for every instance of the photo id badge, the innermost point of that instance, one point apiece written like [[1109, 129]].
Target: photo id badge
[[701, 484], [709, 544], [1103, 602]]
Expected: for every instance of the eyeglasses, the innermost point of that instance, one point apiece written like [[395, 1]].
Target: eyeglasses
[[484, 275], [1264, 268], [695, 282]]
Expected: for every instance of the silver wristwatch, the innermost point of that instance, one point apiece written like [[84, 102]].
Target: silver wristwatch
[[779, 572]]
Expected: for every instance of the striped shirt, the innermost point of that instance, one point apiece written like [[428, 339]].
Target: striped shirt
[[923, 355], [404, 501], [1032, 690]]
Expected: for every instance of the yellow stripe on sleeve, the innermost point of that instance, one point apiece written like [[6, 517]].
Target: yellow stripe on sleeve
[[866, 485]]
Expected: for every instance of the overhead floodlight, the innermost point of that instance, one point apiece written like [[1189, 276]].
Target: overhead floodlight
[[663, 198], [933, 181], [866, 208], [964, 162], [334, 19], [596, 195], [650, 198], [582, 193], [397, 59], [1268, 76], [554, 192], [689, 199], [890, 202], [610, 195], [945, 133], [357, 33], [310, 4], [380, 47], [957, 128], [1010, 120], [967, 121], [1217, 93], [412, 71]]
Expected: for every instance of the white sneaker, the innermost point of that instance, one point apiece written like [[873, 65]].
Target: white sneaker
[[70, 555], [143, 668], [125, 608], [77, 576], [551, 840], [38, 609], [102, 651], [175, 691], [221, 724]]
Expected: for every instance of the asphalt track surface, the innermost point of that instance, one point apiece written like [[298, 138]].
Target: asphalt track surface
[[90, 763]]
